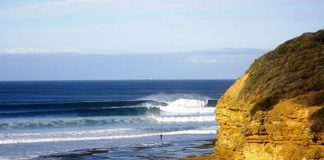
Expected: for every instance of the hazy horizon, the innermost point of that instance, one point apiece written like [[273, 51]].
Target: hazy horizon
[[143, 39], [213, 64]]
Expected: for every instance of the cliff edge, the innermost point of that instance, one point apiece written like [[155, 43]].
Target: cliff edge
[[276, 109]]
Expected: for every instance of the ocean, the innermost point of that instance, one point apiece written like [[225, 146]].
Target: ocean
[[125, 119]]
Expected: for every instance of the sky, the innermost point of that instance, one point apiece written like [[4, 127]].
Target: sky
[[211, 33]]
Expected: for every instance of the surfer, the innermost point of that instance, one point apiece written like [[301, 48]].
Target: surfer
[[161, 136]]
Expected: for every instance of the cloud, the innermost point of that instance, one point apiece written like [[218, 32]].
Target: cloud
[[225, 55], [30, 50], [104, 7], [216, 58], [20, 50]]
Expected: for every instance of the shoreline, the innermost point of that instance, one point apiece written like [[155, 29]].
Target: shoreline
[[207, 156], [170, 150]]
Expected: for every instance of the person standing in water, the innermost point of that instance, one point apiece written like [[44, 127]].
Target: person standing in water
[[161, 137]]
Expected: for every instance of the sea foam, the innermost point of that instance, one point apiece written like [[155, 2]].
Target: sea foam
[[87, 137]]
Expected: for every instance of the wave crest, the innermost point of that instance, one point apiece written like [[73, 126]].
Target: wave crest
[[181, 119], [177, 110], [187, 106]]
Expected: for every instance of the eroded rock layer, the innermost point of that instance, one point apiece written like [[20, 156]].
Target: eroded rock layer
[[276, 109]]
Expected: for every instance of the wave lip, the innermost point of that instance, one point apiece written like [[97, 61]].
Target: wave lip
[[112, 108], [182, 119], [187, 106], [162, 97], [179, 110]]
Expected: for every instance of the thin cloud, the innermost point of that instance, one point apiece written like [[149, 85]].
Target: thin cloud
[[217, 58], [225, 55], [30, 50], [103, 7], [20, 50]]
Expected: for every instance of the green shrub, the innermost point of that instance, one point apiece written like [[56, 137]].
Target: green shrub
[[292, 69]]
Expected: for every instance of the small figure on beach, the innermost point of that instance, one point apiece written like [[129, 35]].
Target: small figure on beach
[[161, 136]]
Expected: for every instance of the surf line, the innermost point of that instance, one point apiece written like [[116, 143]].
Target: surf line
[[44, 140]]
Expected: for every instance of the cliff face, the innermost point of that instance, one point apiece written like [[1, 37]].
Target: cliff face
[[276, 109]]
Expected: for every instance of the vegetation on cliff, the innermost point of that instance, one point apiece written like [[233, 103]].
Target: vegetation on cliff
[[276, 109], [294, 68]]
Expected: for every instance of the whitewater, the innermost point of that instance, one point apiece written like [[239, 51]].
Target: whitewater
[[178, 111], [117, 118]]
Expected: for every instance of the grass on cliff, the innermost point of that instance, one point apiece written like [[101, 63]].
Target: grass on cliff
[[293, 68], [312, 99], [317, 120]]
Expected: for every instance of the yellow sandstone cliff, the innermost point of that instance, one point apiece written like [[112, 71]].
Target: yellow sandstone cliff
[[275, 111]]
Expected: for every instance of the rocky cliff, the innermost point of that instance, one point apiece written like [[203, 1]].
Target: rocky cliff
[[276, 109]]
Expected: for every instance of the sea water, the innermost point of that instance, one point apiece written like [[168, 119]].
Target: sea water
[[138, 119]]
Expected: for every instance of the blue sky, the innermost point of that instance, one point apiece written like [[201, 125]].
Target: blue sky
[[149, 27]]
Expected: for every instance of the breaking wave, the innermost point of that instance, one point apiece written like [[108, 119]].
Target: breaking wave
[[180, 119], [114, 108], [160, 108]]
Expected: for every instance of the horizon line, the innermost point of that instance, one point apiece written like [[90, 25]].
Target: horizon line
[[117, 52]]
